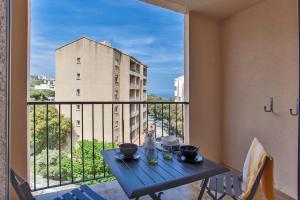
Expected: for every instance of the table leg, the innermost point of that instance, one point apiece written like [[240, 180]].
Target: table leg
[[203, 187], [156, 197]]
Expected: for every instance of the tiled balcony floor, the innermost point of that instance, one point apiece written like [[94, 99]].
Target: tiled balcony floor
[[113, 191]]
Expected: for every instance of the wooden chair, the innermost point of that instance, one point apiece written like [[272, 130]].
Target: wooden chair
[[230, 184], [23, 190]]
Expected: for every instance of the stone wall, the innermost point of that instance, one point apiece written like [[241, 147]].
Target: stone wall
[[3, 99]]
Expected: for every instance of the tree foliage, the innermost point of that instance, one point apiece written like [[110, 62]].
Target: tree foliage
[[34, 82], [41, 127], [41, 95], [90, 164], [170, 114]]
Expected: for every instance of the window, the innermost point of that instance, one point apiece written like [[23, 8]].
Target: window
[[78, 92], [78, 123], [116, 109], [117, 61], [116, 79], [78, 61], [116, 124], [78, 107], [78, 76]]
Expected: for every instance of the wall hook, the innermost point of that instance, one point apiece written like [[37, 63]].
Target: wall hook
[[271, 106], [297, 109]]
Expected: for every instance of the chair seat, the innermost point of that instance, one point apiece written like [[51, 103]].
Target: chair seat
[[23, 191], [225, 184]]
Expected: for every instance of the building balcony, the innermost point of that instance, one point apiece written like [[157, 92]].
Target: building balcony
[[134, 86], [132, 98], [134, 73]]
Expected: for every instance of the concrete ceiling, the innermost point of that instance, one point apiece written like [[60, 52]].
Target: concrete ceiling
[[215, 8]]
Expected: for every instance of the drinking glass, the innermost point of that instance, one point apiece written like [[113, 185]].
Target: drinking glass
[[152, 156], [168, 154]]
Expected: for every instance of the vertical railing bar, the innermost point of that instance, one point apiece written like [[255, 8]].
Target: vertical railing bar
[[139, 124], [103, 138], [162, 119], [47, 139], [71, 121], [155, 120], [112, 125], [130, 125], [34, 148], [182, 121], [147, 119], [93, 136], [59, 149], [122, 122], [169, 118], [82, 145], [176, 119]]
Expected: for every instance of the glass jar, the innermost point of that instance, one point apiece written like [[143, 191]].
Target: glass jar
[[168, 154], [152, 156]]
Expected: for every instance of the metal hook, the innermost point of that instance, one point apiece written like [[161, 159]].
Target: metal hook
[[271, 106], [297, 109]]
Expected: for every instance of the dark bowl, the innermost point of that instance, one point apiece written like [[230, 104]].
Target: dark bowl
[[128, 149], [188, 151]]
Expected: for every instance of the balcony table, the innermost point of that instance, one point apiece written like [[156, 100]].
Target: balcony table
[[138, 178]]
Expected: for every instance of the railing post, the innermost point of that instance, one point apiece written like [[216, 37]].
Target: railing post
[[162, 120], [71, 122], [169, 118], [59, 150], [112, 125], [155, 119], [103, 138], [176, 132], [93, 138], [82, 144], [47, 140], [139, 124], [34, 148]]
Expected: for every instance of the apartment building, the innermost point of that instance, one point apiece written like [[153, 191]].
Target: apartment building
[[179, 88], [93, 71]]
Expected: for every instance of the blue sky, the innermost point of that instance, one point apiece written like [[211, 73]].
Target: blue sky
[[151, 34]]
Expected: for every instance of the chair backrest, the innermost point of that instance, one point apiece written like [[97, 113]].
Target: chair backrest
[[21, 187], [257, 180]]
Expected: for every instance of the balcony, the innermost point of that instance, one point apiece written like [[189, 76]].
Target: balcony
[[227, 96], [134, 86], [56, 149]]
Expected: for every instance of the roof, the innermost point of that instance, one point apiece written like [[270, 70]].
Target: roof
[[83, 37]]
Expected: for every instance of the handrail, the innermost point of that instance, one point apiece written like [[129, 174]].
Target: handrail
[[105, 102]]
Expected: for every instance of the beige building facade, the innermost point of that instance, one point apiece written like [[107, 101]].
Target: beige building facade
[[179, 89], [92, 71]]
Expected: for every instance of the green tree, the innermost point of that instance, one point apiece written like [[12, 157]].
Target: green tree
[[41, 95], [53, 127], [167, 113], [34, 82], [153, 97], [93, 163]]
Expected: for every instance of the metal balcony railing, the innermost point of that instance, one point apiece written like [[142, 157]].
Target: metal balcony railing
[[62, 153]]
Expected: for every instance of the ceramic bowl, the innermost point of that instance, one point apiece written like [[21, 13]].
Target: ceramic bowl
[[128, 149], [188, 151]]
